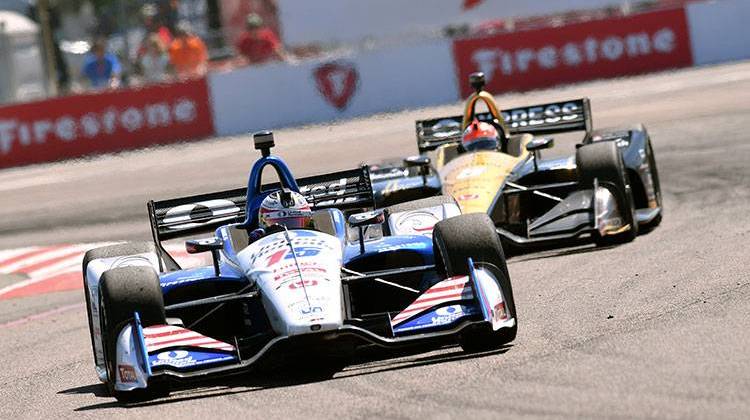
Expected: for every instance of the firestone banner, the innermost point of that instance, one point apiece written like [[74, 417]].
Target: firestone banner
[[98, 123], [584, 51]]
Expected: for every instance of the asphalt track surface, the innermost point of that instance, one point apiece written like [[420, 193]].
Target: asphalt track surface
[[658, 328]]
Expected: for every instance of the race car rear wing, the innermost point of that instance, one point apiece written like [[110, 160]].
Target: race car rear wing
[[555, 117], [202, 213]]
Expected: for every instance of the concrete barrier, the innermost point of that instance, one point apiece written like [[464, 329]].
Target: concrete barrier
[[719, 30], [278, 95]]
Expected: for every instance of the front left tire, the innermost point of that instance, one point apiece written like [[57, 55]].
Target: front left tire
[[122, 292]]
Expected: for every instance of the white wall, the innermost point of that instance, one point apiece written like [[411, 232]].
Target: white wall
[[21, 66], [309, 21], [719, 30], [278, 95]]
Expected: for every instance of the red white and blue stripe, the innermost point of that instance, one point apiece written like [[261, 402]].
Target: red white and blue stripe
[[450, 289], [169, 336]]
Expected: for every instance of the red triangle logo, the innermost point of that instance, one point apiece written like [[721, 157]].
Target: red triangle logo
[[337, 82]]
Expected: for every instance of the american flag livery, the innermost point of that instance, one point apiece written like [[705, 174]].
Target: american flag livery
[[162, 336], [453, 288]]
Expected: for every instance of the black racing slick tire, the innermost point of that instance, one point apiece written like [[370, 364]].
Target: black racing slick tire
[[119, 250], [651, 159], [122, 292], [603, 161], [473, 236]]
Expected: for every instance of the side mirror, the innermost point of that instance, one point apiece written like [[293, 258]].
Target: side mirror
[[418, 161], [361, 220], [374, 217], [198, 246], [535, 146], [540, 144]]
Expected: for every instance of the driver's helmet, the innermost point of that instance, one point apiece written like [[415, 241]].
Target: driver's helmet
[[285, 208], [480, 136]]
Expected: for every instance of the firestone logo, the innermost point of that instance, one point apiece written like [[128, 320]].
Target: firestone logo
[[492, 61], [69, 128]]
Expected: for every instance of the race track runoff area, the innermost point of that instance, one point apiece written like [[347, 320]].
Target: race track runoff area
[[653, 329]]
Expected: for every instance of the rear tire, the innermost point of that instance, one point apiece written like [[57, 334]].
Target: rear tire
[[119, 250], [473, 235], [603, 161], [123, 291]]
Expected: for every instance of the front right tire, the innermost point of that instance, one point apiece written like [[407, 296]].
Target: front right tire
[[602, 161], [473, 236]]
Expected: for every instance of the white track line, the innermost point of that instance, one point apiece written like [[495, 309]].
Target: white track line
[[13, 253], [67, 265], [15, 286], [36, 259]]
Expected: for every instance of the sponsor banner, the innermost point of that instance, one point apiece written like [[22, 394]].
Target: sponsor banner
[[306, 22], [104, 122], [313, 91], [583, 51]]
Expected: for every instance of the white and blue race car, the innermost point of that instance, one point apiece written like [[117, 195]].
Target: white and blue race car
[[415, 273]]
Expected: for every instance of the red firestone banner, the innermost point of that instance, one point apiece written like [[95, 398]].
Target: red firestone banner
[[83, 125], [582, 51]]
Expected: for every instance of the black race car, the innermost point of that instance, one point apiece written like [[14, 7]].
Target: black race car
[[606, 192]]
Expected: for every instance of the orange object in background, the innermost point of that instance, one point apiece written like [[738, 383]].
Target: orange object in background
[[189, 56]]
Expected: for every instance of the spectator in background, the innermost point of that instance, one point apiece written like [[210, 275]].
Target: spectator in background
[[169, 12], [154, 62], [259, 44], [100, 68], [153, 24], [188, 53]]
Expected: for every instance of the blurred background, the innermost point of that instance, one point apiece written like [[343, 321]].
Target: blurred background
[[234, 63], [47, 41]]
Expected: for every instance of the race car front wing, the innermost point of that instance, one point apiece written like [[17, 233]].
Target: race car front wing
[[439, 314], [579, 214]]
